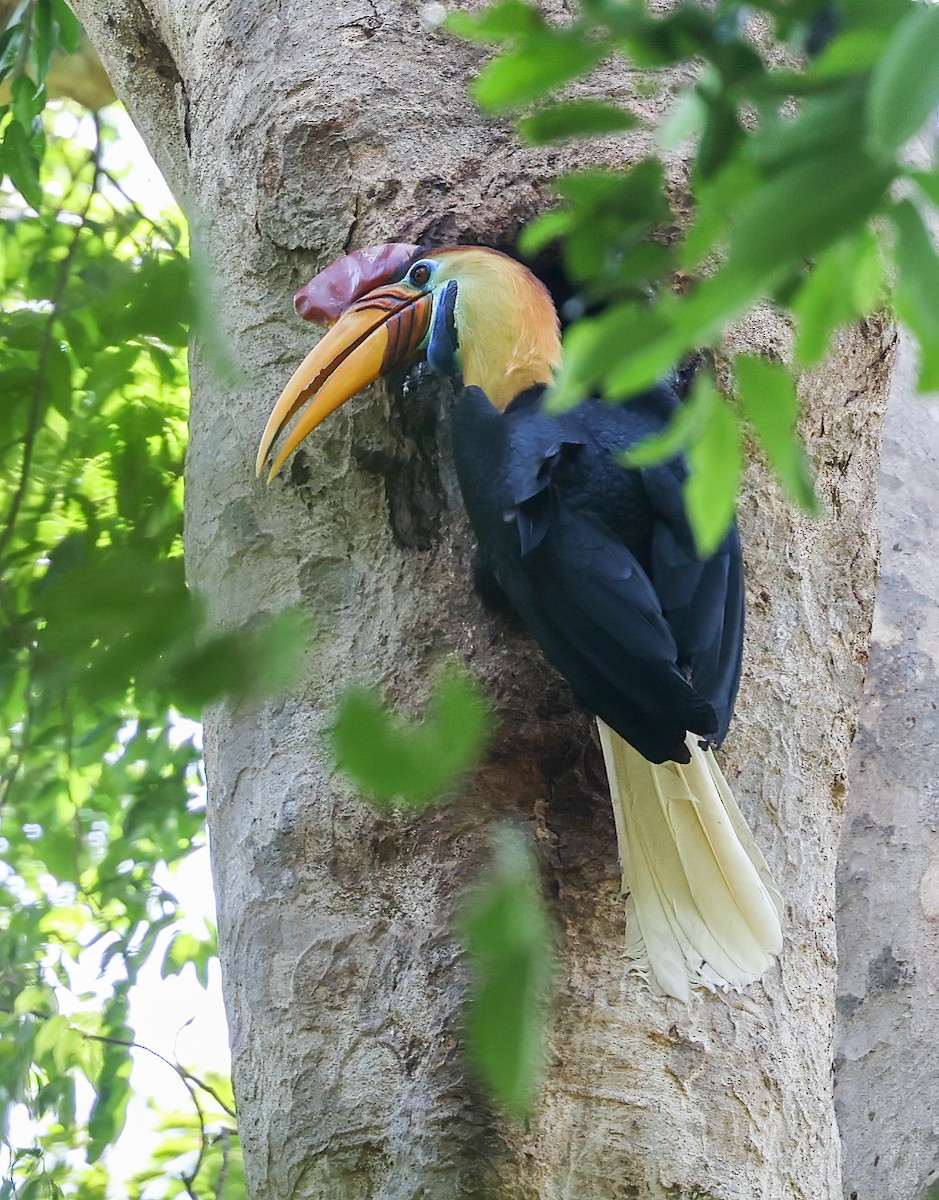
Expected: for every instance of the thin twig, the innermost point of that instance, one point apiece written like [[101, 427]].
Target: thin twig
[[181, 1071], [187, 1179], [207, 1087], [224, 1136]]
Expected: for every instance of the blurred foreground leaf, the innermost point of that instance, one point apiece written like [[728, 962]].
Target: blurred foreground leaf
[[716, 462], [917, 289], [684, 429], [576, 118], [905, 81], [769, 400], [112, 1087], [847, 281], [399, 762], [507, 936], [544, 64]]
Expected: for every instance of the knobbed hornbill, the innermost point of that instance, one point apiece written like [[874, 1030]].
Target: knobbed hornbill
[[599, 563]]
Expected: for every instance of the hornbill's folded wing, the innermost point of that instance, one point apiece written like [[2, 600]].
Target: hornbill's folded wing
[[594, 611], [703, 600], [576, 586]]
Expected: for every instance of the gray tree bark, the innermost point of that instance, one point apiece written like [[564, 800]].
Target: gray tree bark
[[887, 1077], [295, 132]]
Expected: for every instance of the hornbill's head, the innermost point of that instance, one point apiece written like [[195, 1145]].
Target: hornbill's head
[[467, 309]]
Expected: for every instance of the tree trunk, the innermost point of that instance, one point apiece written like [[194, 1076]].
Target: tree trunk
[[888, 886], [296, 132]]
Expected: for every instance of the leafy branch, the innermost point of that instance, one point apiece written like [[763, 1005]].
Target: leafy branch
[[100, 636], [193, 1083], [803, 197]]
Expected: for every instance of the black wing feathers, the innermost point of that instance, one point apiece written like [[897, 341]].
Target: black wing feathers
[[595, 613], [702, 599], [535, 487]]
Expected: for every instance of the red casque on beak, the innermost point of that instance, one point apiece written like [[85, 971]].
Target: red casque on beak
[[379, 330], [327, 296]]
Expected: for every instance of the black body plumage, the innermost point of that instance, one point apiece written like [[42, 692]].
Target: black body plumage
[[599, 562]]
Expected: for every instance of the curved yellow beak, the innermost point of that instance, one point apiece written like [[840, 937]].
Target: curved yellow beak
[[382, 329]]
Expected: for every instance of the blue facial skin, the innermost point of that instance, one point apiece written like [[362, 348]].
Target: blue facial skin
[[443, 347]]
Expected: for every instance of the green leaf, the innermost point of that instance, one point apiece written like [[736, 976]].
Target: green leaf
[[656, 340], [928, 183], [880, 15], [721, 136], [637, 193], [59, 379], [867, 280], [44, 38], [574, 119], [800, 211], [611, 216], [845, 283], [37, 1188], [48, 1034], [769, 399], [21, 164], [213, 336], [507, 937], [544, 230], [185, 950], [904, 87], [11, 41], [823, 124], [686, 119], [411, 762], [112, 613], [684, 429], [109, 1111], [34, 999], [715, 463], [851, 52], [718, 199], [261, 658], [541, 65], [595, 349], [70, 30], [917, 289], [27, 100], [500, 22]]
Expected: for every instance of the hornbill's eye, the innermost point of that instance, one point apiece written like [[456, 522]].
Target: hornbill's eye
[[419, 274]]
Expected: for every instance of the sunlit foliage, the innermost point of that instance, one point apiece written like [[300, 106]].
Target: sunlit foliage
[[100, 641]]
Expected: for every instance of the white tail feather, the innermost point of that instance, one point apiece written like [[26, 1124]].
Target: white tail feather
[[703, 910]]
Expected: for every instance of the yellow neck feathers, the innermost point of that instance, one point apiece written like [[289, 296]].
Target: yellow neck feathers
[[506, 322]]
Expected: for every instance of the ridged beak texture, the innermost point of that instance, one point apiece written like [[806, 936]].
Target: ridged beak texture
[[381, 329]]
